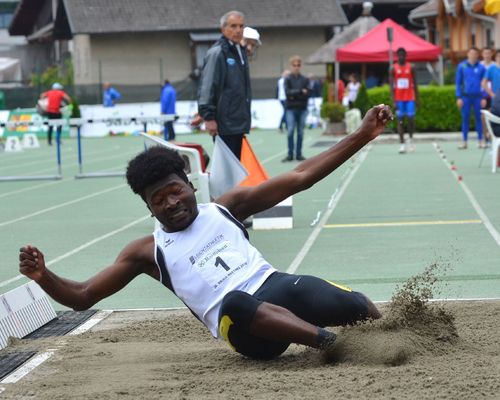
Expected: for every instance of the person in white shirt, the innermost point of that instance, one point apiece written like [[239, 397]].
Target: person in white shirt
[[202, 253], [281, 94], [351, 91]]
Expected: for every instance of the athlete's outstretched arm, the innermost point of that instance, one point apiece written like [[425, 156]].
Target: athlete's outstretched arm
[[246, 201], [134, 259]]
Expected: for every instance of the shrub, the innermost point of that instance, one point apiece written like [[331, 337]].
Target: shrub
[[436, 111], [362, 100], [332, 111]]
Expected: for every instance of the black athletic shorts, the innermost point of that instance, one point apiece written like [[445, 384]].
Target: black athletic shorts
[[317, 301]]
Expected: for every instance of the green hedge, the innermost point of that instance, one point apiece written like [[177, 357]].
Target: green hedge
[[437, 110]]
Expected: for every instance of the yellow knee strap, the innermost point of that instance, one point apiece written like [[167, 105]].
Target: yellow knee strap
[[224, 325]]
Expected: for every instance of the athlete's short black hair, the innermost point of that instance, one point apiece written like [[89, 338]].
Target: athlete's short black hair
[[153, 165], [401, 50]]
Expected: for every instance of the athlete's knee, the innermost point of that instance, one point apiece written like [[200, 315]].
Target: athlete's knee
[[238, 307], [372, 312]]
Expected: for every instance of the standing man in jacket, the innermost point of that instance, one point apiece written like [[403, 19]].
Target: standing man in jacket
[[297, 96], [470, 74], [110, 95], [224, 95], [167, 102]]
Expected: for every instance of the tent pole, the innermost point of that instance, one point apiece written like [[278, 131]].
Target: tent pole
[[336, 82], [441, 70]]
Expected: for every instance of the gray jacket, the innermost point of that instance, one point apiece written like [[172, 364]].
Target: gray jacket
[[224, 93]]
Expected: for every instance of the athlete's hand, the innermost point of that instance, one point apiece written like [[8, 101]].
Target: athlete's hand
[[31, 262], [375, 120], [460, 103]]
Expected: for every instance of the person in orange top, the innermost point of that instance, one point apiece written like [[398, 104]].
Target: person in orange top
[[56, 99], [404, 91]]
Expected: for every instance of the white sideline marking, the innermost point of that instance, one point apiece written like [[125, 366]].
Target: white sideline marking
[[37, 360], [27, 367], [67, 203], [44, 160], [80, 248], [486, 221], [280, 153], [404, 223], [91, 322], [26, 189], [34, 187], [331, 206]]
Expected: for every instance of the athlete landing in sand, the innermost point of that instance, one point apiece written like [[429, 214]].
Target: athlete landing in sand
[[202, 253]]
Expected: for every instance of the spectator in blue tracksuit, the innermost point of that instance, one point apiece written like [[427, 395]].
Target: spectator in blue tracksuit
[[110, 95], [167, 101], [469, 92]]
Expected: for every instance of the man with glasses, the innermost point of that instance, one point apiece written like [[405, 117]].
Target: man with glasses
[[297, 96]]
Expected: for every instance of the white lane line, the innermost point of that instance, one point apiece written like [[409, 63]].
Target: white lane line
[[47, 160], [34, 187], [486, 221], [91, 322], [67, 203], [331, 206], [82, 247], [64, 180], [404, 223], [280, 153], [29, 366]]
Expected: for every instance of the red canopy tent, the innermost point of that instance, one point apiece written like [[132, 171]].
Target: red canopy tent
[[375, 47]]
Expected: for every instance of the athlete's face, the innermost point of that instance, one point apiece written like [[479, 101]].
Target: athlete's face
[[173, 202], [401, 57]]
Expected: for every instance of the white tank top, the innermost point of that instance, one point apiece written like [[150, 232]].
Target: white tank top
[[208, 259]]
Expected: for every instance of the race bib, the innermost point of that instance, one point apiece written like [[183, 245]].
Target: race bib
[[219, 263], [403, 83]]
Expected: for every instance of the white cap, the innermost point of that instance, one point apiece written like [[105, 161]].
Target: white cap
[[250, 33], [57, 86]]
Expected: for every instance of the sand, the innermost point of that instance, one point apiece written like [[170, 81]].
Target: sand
[[419, 350]]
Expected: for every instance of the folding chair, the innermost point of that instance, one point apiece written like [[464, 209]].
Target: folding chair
[[490, 118], [193, 161]]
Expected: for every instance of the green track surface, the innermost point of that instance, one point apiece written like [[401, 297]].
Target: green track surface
[[81, 224]]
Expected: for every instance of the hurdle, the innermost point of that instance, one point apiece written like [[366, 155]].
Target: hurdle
[[139, 120], [77, 123], [31, 144]]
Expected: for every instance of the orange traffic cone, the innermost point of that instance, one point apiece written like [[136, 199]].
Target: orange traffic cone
[[256, 172]]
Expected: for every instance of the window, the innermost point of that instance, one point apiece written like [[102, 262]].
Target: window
[[200, 43], [5, 20]]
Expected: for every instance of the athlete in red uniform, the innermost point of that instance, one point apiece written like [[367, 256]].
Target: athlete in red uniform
[[404, 92], [55, 99]]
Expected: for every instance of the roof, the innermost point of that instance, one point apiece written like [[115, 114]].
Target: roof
[[97, 16], [375, 2], [327, 53], [374, 46], [429, 9], [25, 14]]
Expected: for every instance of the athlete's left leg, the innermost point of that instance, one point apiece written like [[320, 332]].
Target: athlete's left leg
[[317, 301]]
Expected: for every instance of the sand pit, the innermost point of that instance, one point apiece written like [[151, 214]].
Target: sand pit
[[419, 350]]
